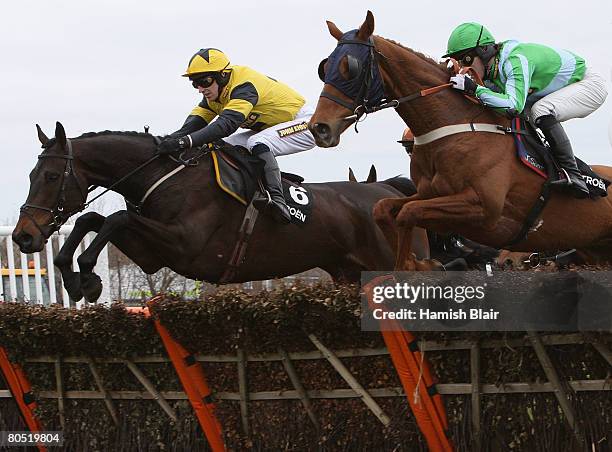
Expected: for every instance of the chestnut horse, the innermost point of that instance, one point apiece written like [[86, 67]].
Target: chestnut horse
[[470, 183], [188, 224]]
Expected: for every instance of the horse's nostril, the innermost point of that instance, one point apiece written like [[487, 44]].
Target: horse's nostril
[[322, 130], [23, 239]]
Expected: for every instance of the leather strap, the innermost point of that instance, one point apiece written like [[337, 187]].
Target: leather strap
[[244, 234], [159, 182], [445, 131]]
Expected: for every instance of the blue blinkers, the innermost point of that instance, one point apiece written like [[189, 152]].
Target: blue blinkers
[[364, 83]]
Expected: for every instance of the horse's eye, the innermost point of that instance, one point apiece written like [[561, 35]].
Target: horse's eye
[[50, 177]]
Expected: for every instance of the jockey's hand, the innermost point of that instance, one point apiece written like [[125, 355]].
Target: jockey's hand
[[171, 145], [464, 83]]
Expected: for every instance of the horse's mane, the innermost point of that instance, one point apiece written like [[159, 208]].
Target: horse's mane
[[125, 133], [128, 133], [426, 58]]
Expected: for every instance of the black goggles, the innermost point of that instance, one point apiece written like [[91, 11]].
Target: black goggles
[[203, 82], [466, 58]]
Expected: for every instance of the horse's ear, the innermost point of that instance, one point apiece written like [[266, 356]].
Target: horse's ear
[[352, 177], [333, 30], [372, 176], [41, 136], [367, 27], [60, 134]]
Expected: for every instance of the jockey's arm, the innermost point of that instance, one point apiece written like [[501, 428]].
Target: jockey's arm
[[518, 73], [191, 124], [242, 100]]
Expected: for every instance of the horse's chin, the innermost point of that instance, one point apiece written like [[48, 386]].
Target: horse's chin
[[328, 142], [35, 246], [30, 250]]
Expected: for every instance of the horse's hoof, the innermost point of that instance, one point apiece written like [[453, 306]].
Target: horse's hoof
[[72, 284], [91, 286]]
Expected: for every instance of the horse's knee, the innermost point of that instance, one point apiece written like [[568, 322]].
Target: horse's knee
[[384, 211], [89, 219], [62, 260], [408, 216], [118, 219]]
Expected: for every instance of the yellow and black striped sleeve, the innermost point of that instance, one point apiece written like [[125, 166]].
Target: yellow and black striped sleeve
[[204, 111], [242, 100], [191, 124]]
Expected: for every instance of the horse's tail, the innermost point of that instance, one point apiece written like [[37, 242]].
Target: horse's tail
[[403, 184]]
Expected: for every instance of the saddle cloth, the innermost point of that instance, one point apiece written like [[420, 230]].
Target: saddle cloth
[[535, 154], [239, 174]]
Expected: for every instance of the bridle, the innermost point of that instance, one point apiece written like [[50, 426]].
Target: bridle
[[59, 214], [360, 104]]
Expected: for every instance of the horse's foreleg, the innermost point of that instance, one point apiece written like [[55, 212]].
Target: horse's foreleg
[[420, 243], [129, 232], [384, 214], [404, 249], [86, 223], [441, 213]]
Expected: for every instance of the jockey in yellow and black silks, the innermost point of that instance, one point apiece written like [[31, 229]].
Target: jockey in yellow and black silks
[[274, 115]]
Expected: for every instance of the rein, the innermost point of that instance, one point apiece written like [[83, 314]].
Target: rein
[[363, 109]]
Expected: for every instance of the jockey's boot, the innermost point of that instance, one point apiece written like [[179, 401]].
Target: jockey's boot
[[272, 177], [561, 149]]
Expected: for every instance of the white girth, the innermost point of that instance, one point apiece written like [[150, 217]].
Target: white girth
[[445, 131]]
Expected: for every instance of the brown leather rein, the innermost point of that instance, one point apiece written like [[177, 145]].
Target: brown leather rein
[[395, 103]]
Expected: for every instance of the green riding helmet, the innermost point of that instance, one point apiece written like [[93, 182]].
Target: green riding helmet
[[468, 36]]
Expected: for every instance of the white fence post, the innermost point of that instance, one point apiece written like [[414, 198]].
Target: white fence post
[[103, 271], [42, 290]]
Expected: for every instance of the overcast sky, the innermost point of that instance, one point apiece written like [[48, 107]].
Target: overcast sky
[[116, 65]]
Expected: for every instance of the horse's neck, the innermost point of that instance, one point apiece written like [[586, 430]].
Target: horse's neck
[[404, 73], [103, 164]]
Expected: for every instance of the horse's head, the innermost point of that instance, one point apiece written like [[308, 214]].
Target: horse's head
[[352, 83], [55, 193]]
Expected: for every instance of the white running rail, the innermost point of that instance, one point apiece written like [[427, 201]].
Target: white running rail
[[32, 283]]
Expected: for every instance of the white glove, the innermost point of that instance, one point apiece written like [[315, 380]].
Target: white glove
[[458, 81], [464, 83]]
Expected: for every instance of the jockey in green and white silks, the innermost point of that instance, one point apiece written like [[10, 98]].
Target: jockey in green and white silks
[[550, 84]]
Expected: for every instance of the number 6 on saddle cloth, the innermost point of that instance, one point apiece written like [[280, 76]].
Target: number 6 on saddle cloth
[[239, 175]]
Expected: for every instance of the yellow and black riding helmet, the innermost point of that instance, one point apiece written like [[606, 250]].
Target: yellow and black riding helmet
[[209, 62]]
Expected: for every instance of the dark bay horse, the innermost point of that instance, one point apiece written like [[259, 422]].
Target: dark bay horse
[[468, 183], [188, 224]]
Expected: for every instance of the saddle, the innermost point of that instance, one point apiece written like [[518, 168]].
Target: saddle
[[534, 153], [239, 174]]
